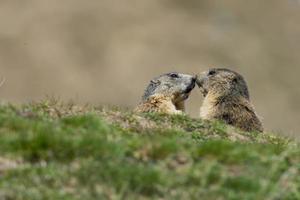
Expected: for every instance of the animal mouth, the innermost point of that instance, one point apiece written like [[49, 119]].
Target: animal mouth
[[190, 87], [188, 90], [199, 83]]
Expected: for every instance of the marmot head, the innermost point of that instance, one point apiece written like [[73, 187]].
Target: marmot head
[[222, 82], [176, 85]]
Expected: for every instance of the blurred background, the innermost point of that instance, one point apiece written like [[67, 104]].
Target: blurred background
[[105, 52]]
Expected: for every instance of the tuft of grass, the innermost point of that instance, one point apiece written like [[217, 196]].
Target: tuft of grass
[[52, 150]]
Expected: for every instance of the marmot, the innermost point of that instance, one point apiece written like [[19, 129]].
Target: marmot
[[226, 98], [167, 93]]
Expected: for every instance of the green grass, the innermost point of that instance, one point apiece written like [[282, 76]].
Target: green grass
[[51, 150]]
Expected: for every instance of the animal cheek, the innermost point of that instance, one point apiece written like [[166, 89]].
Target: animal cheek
[[168, 85], [207, 85], [201, 81]]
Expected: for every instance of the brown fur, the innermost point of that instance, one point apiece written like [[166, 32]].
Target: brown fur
[[227, 99], [159, 103]]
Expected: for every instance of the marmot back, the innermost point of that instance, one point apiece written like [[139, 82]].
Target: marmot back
[[227, 99], [167, 93]]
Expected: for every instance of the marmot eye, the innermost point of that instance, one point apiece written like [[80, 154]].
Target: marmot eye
[[211, 72], [174, 75]]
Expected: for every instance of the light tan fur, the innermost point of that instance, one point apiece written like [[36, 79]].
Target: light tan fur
[[159, 103], [207, 109]]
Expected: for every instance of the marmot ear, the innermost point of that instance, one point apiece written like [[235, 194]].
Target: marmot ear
[[155, 82], [151, 88], [234, 80]]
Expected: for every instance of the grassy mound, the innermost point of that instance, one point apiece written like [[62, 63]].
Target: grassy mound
[[51, 150]]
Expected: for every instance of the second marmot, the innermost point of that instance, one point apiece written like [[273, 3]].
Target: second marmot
[[227, 99]]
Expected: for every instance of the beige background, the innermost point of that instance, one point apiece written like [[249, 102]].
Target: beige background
[[106, 51]]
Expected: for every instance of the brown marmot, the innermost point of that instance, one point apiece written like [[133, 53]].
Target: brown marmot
[[167, 93], [226, 98]]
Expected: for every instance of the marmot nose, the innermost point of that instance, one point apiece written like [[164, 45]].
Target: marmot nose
[[194, 78], [199, 81]]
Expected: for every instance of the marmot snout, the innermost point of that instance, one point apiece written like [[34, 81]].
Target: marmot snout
[[227, 99], [167, 93]]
